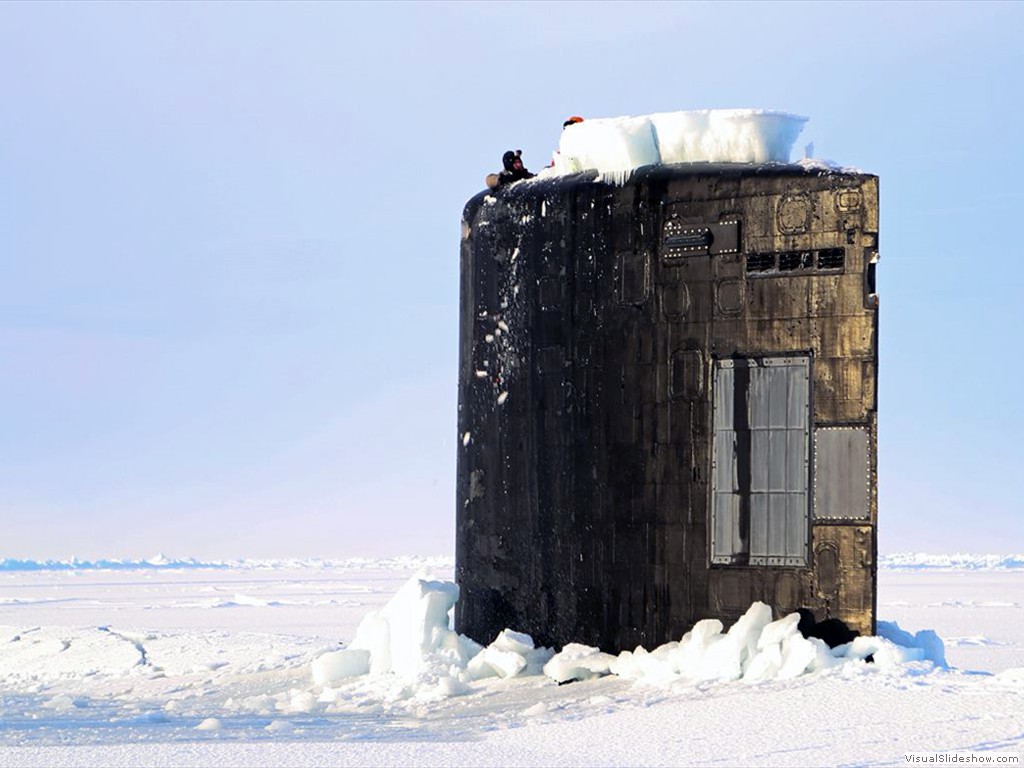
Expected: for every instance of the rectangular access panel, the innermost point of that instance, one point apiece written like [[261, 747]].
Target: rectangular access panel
[[842, 475], [761, 461]]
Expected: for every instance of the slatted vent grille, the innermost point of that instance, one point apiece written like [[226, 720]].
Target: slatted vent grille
[[767, 264]]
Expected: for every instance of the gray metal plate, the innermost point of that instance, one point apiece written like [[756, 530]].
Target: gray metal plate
[[842, 478]]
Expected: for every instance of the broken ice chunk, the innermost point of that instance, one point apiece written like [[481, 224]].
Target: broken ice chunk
[[337, 665], [578, 662]]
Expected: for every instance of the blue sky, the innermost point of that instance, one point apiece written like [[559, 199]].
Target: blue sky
[[229, 247]]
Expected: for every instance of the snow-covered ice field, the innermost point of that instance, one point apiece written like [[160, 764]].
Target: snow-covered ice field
[[185, 664]]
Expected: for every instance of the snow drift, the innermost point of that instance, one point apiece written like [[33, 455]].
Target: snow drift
[[618, 145], [411, 640], [133, 692]]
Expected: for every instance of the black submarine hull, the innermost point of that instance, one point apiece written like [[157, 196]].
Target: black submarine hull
[[667, 402]]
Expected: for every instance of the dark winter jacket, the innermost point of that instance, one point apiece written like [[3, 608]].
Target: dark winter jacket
[[514, 168]]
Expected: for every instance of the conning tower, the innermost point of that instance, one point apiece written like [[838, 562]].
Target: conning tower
[[667, 402]]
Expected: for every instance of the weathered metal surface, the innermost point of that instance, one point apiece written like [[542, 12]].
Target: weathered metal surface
[[842, 476], [596, 323]]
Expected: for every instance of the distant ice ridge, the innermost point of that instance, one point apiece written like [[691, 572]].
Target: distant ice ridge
[[410, 642], [403, 563], [899, 561], [918, 561], [616, 146], [113, 564]]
